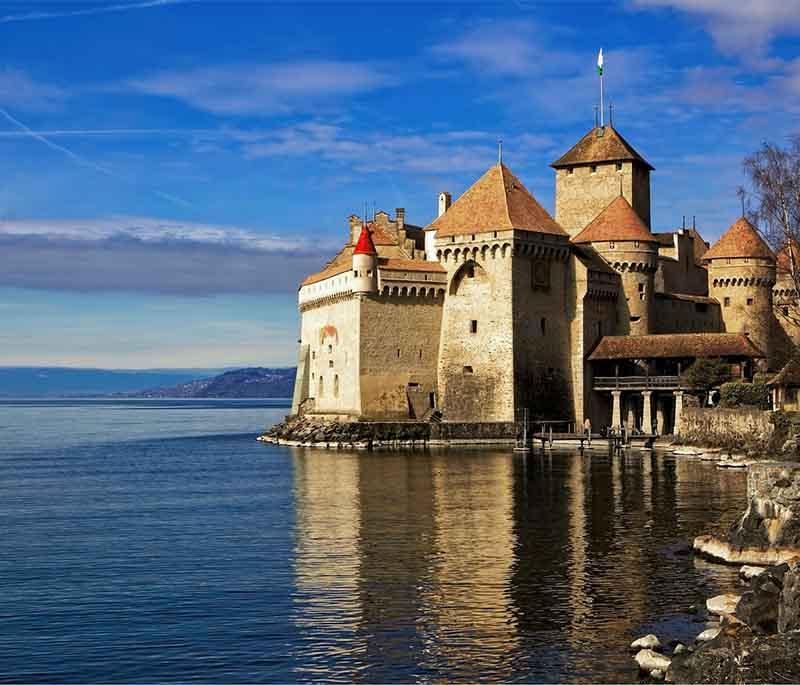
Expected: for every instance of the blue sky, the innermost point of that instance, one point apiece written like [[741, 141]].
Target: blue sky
[[171, 170]]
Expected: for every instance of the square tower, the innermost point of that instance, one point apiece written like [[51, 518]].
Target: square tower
[[599, 167]]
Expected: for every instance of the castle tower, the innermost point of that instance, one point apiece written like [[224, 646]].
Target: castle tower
[[504, 337], [741, 273], [620, 236], [365, 263], [598, 168]]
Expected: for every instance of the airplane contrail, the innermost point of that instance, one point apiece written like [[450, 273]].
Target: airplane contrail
[[122, 7], [82, 160]]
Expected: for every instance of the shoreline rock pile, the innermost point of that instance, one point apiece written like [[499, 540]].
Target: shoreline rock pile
[[759, 641], [316, 432]]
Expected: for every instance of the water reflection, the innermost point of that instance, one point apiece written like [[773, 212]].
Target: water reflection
[[486, 565]]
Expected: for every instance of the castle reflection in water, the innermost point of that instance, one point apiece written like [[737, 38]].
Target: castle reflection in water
[[477, 565]]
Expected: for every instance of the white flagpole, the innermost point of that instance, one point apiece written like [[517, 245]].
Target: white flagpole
[[600, 66]]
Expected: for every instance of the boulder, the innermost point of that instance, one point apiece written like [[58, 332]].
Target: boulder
[[649, 661], [679, 649], [749, 572], [758, 607], [722, 604], [646, 642], [708, 634], [789, 600], [657, 674]]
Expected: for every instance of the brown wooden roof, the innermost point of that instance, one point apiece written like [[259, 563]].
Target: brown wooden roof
[[788, 375], [740, 240], [497, 201], [675, 346], [618, 221], [600, 144]]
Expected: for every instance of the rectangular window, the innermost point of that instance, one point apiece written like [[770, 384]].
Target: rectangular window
[[540, 275], [786, 311], [570, 171], [330, 364], [593, 168], [749, 301], [611, 246], [619, 166], [467, 370], [313, 355], [726, 302], [473, 326]]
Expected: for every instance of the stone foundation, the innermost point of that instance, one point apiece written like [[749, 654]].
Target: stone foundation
[[324, 432]]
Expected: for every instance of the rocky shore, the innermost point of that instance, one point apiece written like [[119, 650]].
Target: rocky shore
[[752, 637], [316, 432], [306, 431]]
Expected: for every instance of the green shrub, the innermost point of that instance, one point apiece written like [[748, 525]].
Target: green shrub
[[738, 394]]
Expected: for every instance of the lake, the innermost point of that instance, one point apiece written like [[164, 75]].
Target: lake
[[156, 540]]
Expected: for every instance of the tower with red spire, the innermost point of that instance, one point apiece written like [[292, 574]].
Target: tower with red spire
[[365, 263]]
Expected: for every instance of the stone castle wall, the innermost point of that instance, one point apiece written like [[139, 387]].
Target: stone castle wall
[[636, 264], [744, 290], [541, 319], [673, 314], [399, 353], [581, 193], [331, 331], [476, 364], [729, 428]]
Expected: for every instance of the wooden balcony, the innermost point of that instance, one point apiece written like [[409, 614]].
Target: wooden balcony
[[637, 383]]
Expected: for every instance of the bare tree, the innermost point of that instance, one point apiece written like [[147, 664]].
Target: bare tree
[[773, 204]]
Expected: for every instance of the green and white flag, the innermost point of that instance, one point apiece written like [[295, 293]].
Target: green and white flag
[[600, 62]]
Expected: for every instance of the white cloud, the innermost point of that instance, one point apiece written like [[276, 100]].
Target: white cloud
[[743, 28], [103, 9], [154, 256], [20, 90], [508, 48], [429, 153], [263, 88]]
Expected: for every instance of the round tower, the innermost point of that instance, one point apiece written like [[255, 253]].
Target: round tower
[[741, 273], [365, 263], [620, 236]]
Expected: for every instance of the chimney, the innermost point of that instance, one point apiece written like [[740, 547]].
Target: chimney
[[445, 200], [400, 218]]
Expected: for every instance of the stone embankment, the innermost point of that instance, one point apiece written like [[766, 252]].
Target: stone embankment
[[309, 431], [745, 430], [316, 432]]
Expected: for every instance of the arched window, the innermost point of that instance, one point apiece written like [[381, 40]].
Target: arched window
[[336, 386], [321, 387]]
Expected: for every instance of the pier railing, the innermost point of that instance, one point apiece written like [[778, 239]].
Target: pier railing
[[637, 382]]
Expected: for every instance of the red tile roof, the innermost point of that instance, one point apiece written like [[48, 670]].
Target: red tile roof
[[675, 346], [410, 265], [740, 240], [618, 221], [497, 201], [600, 145]]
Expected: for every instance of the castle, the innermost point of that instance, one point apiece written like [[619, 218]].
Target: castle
[[496, 306]]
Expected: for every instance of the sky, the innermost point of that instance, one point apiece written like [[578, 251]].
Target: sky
[[172, 169]]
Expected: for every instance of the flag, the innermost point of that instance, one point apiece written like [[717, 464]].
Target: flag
[[600, 62]]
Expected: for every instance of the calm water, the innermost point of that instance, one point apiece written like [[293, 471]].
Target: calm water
[[148, 541]]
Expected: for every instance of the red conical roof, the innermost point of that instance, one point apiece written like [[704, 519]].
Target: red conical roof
[[618, 221], [365, 244], [740, 240]]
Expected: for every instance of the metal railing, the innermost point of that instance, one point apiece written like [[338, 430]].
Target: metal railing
[[636, 382]]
